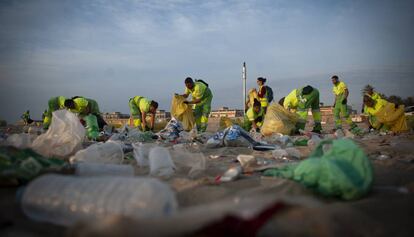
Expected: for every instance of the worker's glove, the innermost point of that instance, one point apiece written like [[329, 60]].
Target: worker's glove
[[344, 101], [186, 102]]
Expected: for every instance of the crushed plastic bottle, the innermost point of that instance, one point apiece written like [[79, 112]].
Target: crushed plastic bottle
[[65, 200]]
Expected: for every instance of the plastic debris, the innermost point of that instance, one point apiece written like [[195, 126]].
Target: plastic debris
[[182, 157], [172, 130], [141, 153], [65, 200]]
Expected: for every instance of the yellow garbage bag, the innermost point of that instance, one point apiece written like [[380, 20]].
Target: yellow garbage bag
[[183, 112], [252, 95], [278, 120], [392, 117]]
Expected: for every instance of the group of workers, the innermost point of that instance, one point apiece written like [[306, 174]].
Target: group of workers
[[301, 100], [140, 107], [298, 101]]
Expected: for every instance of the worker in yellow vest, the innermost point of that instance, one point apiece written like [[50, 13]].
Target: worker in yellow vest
[[262, 93], [54, 103], [201, 99], [301, 100], [341, 92], [140, 107], [254, 117], [88, 111], [384, 115]]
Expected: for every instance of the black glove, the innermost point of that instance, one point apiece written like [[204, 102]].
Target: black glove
[[344, 101], [186, 102]]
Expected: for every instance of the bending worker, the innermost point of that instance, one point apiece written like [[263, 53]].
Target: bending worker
[[140, 107], [88, 110], [384, 115], [54, 103], [201, 99], [341, 93], [253, 119], [301, 100]]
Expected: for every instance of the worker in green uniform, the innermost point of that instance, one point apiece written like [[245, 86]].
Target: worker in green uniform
[[341, 93], [54, 103], [26, 118], [140, 107], [88, 110], [300, 101], [253, 119], [201, 99]]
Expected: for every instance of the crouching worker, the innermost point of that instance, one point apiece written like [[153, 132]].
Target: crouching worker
[[88, 110], [254, 117], [140, 107], [384, 115], [301, 100]]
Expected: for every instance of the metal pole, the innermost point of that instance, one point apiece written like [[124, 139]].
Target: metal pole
[[244, 87]]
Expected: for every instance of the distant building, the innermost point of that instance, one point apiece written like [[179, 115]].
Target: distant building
[[162, 115], [116, 118], [225, 112]]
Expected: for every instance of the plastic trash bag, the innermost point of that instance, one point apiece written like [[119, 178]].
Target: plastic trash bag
[[66, 200], [172, 130], [278, 120], [25, 164], [106, 153], [21, 140], [182, 112], [160, 162], [337, 168], [63, 138], [141, 153]]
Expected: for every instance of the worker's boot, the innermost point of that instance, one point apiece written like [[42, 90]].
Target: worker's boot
[[317, 128]]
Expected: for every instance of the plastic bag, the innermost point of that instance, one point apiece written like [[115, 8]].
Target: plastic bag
[[63, 138], [337, 168], [182, 112], [25, 164], [160, 162], [172, 130], [141, 153], [278, 120], [21, 141], [106, 153]]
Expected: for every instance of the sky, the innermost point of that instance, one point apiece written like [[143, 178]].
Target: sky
[[113, 50]]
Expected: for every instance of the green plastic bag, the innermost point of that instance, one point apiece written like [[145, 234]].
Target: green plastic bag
[[25, 164], [342, 171]]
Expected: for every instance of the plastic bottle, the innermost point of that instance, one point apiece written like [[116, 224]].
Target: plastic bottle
[[110, 152], [93, 169], [65, 200], [160, 162]]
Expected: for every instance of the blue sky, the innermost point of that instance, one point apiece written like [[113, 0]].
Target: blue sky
[[113, 50]]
